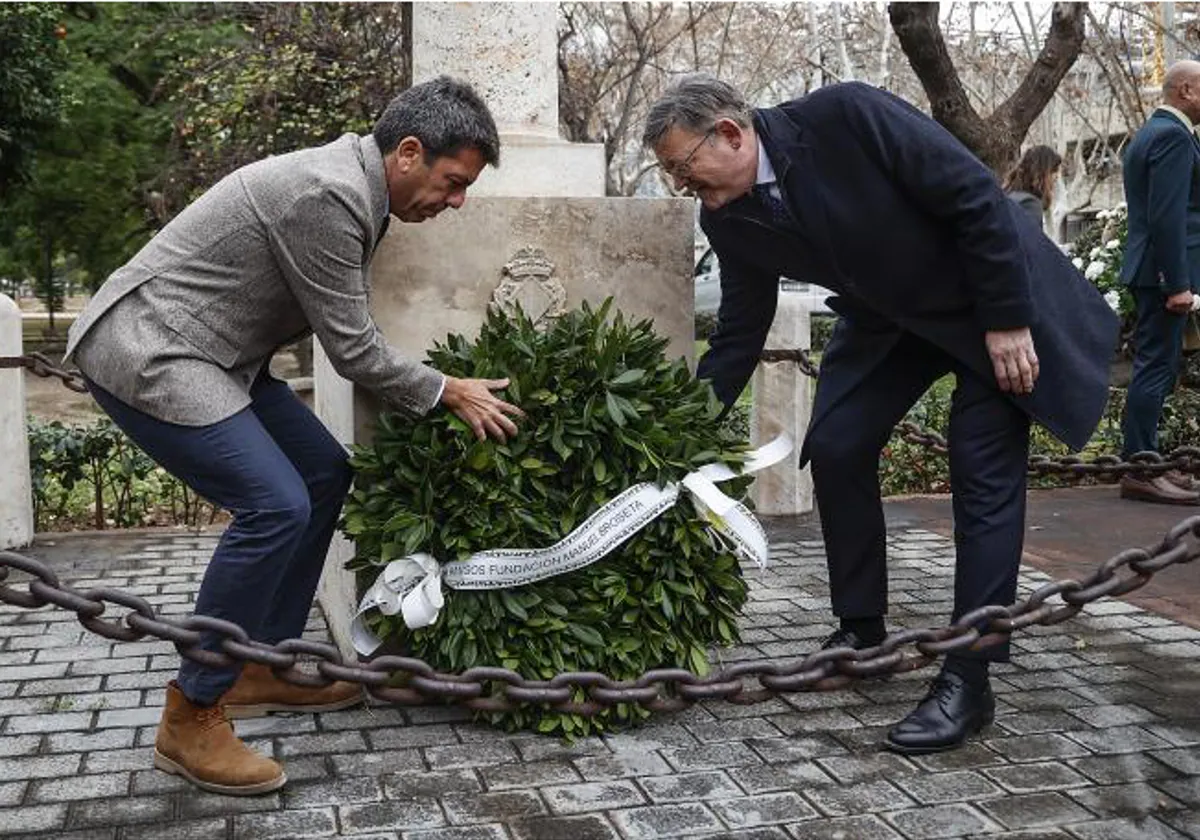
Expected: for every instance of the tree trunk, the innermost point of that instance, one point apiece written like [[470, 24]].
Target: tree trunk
[[995, 139]]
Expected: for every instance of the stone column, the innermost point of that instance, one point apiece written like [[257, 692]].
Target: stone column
[[783, 404], [509, 53], [16, 489]]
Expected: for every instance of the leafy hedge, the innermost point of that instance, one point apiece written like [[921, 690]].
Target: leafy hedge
[[605, 410], [93, 476]]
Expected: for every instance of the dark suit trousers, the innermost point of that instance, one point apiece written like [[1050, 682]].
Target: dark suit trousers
[[1158, 354], [284, 478], [989, 451]]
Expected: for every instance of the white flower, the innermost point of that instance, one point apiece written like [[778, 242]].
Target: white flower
[[1095, 253], [1104, 215], [1094, 270], [1113, 299], [1078, 263], [1112, 244]]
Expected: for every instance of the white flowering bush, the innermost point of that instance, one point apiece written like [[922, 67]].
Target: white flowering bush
[[1098, 253]]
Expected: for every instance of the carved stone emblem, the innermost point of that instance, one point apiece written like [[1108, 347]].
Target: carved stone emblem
[[527, 280]]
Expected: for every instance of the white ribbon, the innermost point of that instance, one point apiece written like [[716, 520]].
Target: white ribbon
[[412, 585]]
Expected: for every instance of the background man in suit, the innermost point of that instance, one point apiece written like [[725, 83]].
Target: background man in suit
[[176, 347], [1161, 268], [858, 191]]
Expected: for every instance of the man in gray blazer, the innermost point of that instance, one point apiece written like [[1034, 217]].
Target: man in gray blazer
[[176, 347]]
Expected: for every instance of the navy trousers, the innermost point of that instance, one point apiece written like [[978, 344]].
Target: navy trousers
[[989, 453], [284, 477], [1158, 355]]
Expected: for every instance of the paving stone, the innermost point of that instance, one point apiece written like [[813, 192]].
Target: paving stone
[[1146, 828], [770, 777], [407, 784], [537, 774], [588, 827], [622, 765], [592, 796], [469, 755], [759, 833], [11, 793], [434, 735], [67, 685], [858, 768], [1035, 809], [467, 808], [460, 832], [733, 730], [122, 811], [940, 821], [313, 822], [125, 718], [374, 763], [867, 827], [650, 738], [367, 717], [108, 739], [1186, 790], [1185, 759], [664, 821], [197, 803], [39, 767], [330, 792], [37, 818], [1113, 715], [689, 787], [1040, 747], [1136, 799], [1117, 739], [711, 757], [970, 756], [1113, 769], [1032, 778], [323, 743], [414, 813], [865, 797], [20, 745], [1179, 733], [543, 748], [939, 788], [764, 809], [776, 750], [80, 787], [209, 829], [1028, 723]]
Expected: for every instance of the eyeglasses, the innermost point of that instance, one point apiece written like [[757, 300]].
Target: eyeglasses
[[684, 168]]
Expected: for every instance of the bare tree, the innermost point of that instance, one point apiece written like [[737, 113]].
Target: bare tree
[[996, 138]]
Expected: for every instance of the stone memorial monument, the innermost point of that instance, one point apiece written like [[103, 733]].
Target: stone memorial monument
[[538, 231]]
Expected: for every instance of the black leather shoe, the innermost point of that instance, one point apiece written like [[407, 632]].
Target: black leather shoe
[[844, 638], [951, 712]]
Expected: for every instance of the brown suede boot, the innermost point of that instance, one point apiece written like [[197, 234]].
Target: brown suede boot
[[258, 691], [198, 743]]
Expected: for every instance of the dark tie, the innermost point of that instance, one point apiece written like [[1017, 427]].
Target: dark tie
[[777, 211]]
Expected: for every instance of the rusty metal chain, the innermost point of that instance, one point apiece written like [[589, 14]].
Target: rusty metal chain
[[40, 365], [409, 681]]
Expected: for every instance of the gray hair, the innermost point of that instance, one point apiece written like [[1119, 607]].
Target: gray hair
[[694, 103], [445, 114]]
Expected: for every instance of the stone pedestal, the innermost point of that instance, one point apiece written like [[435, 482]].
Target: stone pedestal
[[441, 276], [16, 490], [783, 404], [509, 53], [537, 230]]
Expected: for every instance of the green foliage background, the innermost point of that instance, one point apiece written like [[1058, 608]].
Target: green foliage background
[[605, 410]]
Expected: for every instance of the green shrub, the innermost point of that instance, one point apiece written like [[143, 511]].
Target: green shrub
[[94, 477], [605, 410]]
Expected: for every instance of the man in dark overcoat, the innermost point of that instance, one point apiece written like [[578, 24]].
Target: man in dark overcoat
[[934, 273]]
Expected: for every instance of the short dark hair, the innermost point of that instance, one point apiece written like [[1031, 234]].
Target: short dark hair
[[1032, 172], [445, 114]]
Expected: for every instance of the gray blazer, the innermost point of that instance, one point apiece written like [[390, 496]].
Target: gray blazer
[[273, 251]]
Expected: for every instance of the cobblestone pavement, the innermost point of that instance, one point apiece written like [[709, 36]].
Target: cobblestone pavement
[[1097, 735]]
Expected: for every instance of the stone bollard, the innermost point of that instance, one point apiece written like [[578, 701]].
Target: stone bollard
[[782, 405], [16, 489]]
